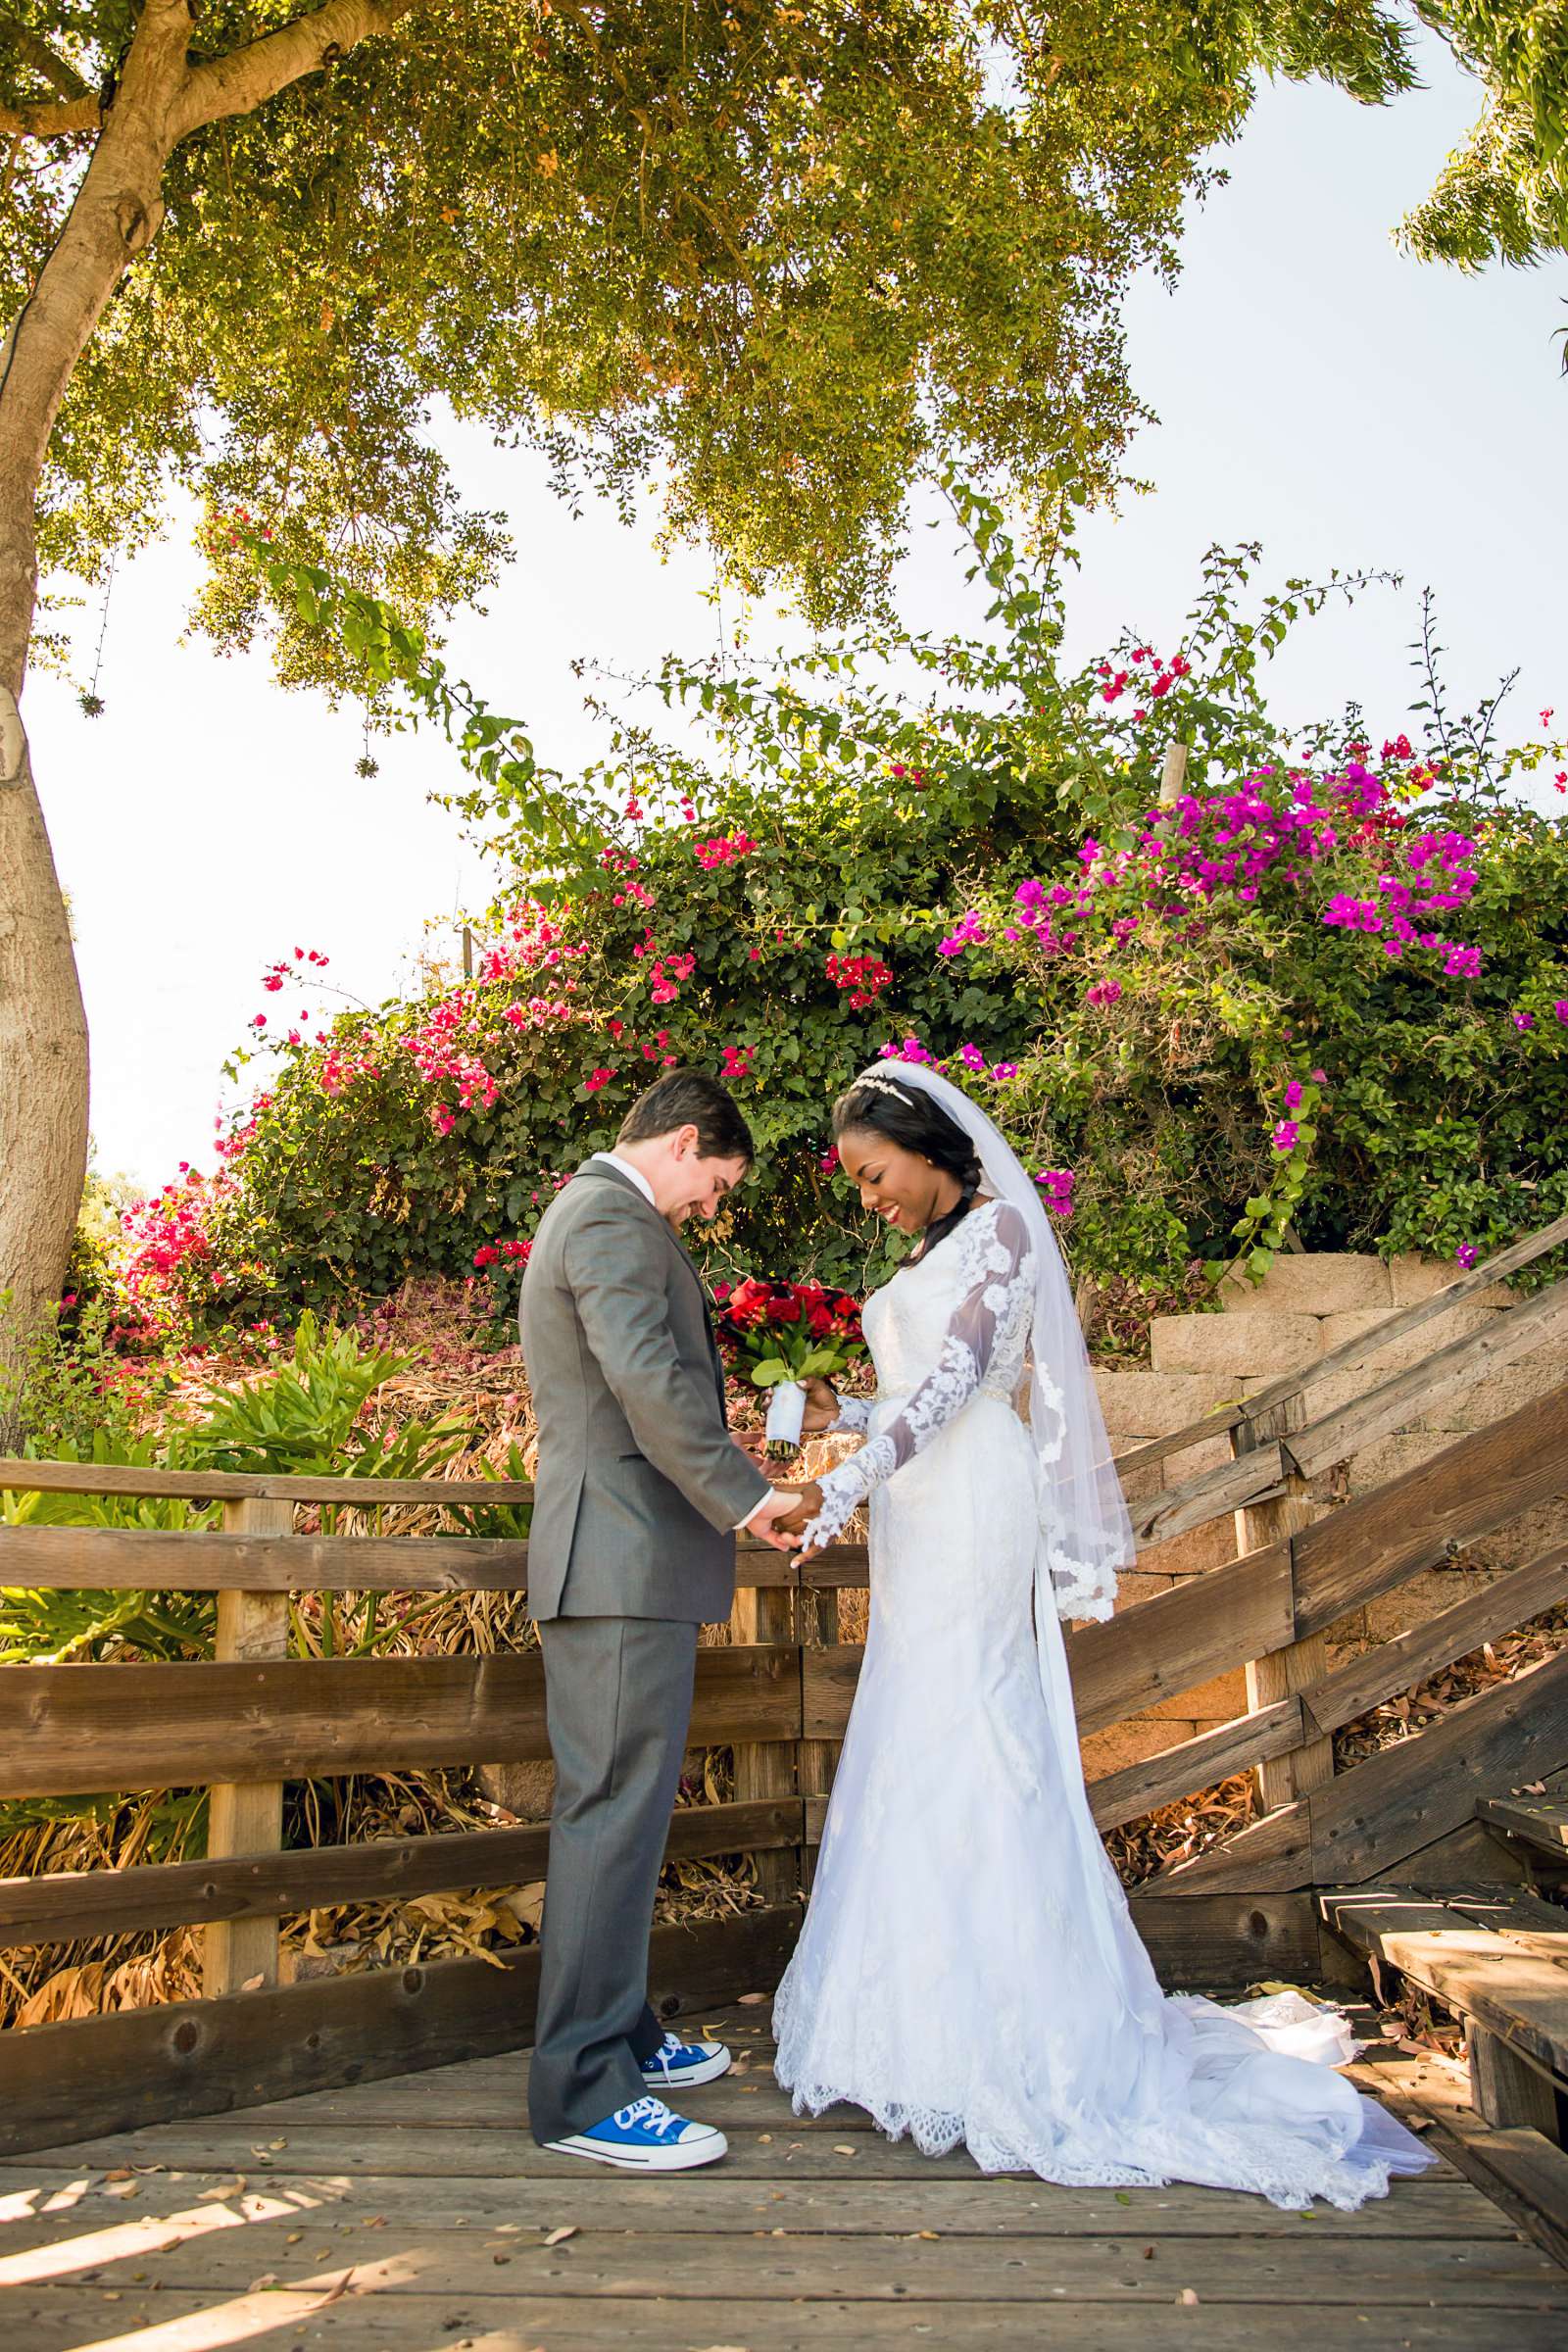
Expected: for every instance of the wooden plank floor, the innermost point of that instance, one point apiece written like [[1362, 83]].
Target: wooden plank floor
[[416, 2213]]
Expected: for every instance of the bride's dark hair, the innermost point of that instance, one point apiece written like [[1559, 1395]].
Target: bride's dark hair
[[908, 1116]]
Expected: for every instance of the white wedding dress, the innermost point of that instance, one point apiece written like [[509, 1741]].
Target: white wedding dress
[[968, 1970]]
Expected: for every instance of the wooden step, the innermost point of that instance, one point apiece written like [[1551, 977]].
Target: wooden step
[[1499, 1959], [1540, 1823]]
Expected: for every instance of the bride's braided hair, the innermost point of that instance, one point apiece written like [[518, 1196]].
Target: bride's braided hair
[[911, 1117]]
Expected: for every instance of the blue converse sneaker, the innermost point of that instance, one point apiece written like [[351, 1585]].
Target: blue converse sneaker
[[678, 2065], [646, 2137]]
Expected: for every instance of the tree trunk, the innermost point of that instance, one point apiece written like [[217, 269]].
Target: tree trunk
[[43, 1066], [160, 98], [43, 1033]]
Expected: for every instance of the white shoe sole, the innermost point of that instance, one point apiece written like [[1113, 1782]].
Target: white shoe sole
[[678, 2159], [685, 2078]]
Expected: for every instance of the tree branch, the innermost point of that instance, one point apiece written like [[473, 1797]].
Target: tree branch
[[237, 84], [51, 118], [33, 50]]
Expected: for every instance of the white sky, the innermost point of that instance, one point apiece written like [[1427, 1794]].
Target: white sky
[[1316, 391]]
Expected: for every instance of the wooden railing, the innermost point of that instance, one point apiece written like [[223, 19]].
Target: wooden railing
[[251, 1718]]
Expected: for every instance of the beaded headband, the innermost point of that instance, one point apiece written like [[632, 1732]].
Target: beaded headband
[[883, 1086]]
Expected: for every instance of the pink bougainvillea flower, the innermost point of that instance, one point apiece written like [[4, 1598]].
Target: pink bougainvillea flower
[[967, 933], [1466, 1254], [1056, 1184], [1285, 1135], [1524, 1020]]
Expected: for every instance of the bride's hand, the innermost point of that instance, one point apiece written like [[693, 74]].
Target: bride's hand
[[821, 1405], [807, 1499]]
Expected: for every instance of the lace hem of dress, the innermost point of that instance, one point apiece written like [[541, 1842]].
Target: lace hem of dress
[[1259, 2160]]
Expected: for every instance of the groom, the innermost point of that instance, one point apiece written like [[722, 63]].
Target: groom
[[639, 1492]]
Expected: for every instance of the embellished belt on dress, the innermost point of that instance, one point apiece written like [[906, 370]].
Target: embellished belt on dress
[[990, 1385]]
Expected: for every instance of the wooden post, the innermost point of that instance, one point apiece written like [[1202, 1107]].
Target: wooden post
[[817, 1620], [767, 1767], [1505, 2091], [247, 1817], [1174, 776], [1282, 1672]]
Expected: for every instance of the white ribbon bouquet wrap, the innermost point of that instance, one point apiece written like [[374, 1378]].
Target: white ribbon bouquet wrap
[[786, 1414]]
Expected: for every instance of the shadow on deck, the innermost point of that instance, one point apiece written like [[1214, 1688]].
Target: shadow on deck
[[416, 2212]]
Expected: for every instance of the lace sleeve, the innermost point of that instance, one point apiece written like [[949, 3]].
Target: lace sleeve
[[854, 1413], [1000, 1287]]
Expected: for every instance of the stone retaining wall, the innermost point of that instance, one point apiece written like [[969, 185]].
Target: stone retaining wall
[[1308, 1305]]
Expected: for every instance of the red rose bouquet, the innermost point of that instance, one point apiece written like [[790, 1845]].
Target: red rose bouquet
[[776, 1335]]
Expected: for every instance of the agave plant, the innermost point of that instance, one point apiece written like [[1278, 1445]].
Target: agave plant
[[308, 1416], [313, 1413]]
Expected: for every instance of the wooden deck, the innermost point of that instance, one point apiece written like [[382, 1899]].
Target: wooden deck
[[416, 2212]]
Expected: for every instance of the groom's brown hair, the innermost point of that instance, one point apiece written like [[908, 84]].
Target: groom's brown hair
[[690, 1098]]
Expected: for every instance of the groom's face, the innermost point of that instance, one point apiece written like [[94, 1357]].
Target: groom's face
[[687, 1184]]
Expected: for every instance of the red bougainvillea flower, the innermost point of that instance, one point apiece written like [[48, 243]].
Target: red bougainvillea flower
[[861, 977]]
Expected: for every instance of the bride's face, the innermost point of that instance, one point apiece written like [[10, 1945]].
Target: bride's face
[[898, 1185]]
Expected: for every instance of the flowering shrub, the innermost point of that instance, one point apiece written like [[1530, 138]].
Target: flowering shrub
[[1336, 951], [1324, 989]]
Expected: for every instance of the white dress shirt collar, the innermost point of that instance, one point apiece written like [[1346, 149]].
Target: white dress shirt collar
[[633, 1175]]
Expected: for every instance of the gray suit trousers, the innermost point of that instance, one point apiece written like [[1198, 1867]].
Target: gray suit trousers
[[618, 1701]]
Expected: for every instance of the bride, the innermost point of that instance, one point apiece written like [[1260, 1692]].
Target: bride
[[968, 1969]]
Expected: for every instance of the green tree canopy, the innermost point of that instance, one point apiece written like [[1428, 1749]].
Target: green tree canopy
[[1504, 193], [766, 256]]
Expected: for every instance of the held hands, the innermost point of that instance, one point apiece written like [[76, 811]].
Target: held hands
[[780, 1519], [770, 1517], [808, 1501]]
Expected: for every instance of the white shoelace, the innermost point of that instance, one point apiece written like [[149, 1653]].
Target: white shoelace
[[652, 2112]]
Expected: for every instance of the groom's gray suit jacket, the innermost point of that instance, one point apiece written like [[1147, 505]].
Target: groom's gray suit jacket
[[639, 1482]]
